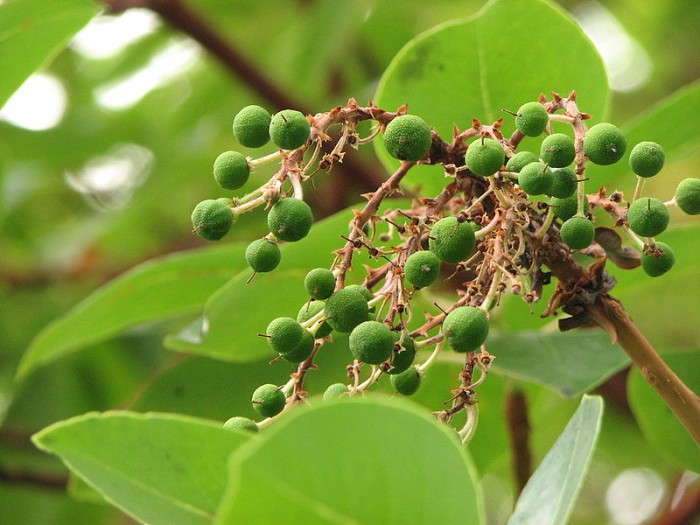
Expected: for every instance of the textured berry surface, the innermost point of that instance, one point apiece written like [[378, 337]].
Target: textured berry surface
[[604, 144], [563, 183], [521, 159], [284, 334], [452, 241], [346, 309], [566, 208], [212, 219], [302, 351], [231, 170], [319, 283], [263, 255], [289, 129], [371, 342], [485, 157], [307, 311], [405, 356], [241, 423], [407, 382], [290, 219], [466, 328], [531, 119], [648, 217], [422, 268], [647, 159], [658, 260], [688, 196], [268, 400], [364, 292], [335, 391], [577, 232], [536, 178], [251, 126], [407, 137], [558, 150]]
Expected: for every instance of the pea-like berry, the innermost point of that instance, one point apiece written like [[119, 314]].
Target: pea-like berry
[[268, 400], [402, 358], [407, 382], [290, 219], [688, 196], [251, 126], [531, 119], [345, 310], [289, 129], [241, 423], [371, 342], [302, 351], [319, 283], [212, 219], [521, 159], [647, 159], [565, 208], [364, 292], [536, 178], [465, 328], [309, 310], [407, 137], [231, 170], [452, 241], [658, 259], [335, 391], [564, 183], [604, 144], [577, 232], [485, 157], [648, 217], [558, 150], [284, 334], [422, 268], [263, 255]]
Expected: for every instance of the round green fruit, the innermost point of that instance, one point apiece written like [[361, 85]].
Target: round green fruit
[[536, 179], [284, 334], [521, 159], [364, 292], [241, 423], [251, 126], [422, 268], [558, 150], [565, 208], [319, 283], [604, 144], [302, 351], [371, 342], [407, 382], [452, 241], [268, 400], [531, 119], [345, 310], [408, 137], [564, 183], [263, 255], [231, 170], [658, 260], [688, 196], [577, 233], [648, 217], [212, 219], [309, 310], [290, 219], [289, 129], [335, 391], [404, 357], [647, 159], [466, 328], [485, 157]]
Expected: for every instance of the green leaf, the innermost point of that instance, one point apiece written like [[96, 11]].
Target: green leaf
[[161, 469], [551, 492], [373, 460], [159, 289], [32, 32], [659, 426]]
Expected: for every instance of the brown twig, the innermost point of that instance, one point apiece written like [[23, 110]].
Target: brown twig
[[37, 479], [519, 434]]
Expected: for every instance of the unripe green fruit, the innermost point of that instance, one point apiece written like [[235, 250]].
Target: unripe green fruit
[[647, 159], [566, 208], [521, 159], [364, 292], [422, 268], [485, 157], [284, 334], [335, 391], [319, 283], [531, 119], [452, 241], [564, 183], [251, 126], [268, 400], [648, 217], [577, 233], [212, 219], [655, 264], [558, 150], [466, 328], [345, 310], [302, 351], [604, 144], [307, 311], [290, 219], [241, 423], [407, 137], [688, 196], [231, 170], [404, 358], [289, 129], [407, 382], [536, 178], [263, 255], [371, 342]]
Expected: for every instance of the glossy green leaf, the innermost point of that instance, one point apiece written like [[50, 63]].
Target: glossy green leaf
[[32, 32], [161, 469], [551, 492], [659, 426], [370, 461]]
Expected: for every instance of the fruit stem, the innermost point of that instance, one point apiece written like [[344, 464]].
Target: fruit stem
[[467, 431], [429, 362], [254, 163], [546, 224], [561, 118], [634, 237], [638, 188]]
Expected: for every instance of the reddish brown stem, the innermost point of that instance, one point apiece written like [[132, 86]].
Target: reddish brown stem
[[519, 434]]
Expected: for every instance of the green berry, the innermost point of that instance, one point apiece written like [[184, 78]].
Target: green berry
[[364, 292], [407, 137], [268, 400], [531, 119], [536, 179], [251, 126], [371, 342], [604, 144], [648, 217], [485, 157], [565, 208], [404, 357], [558, 150], [465, 328], [309, 310], [345, 310], [452, 241], [319, 283], [688, 196], [577, 233], [407, 382], [658, 259], [422, 268], [647, 159], [284, 334], [231, 170], [521, 159], [289, 129], [335, 391], [212, 219], [241, 423], [564, 183], [302, 351], [290, 219], [263, 255]]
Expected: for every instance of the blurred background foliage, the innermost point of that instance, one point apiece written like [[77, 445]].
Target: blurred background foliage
[[105, 151]]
